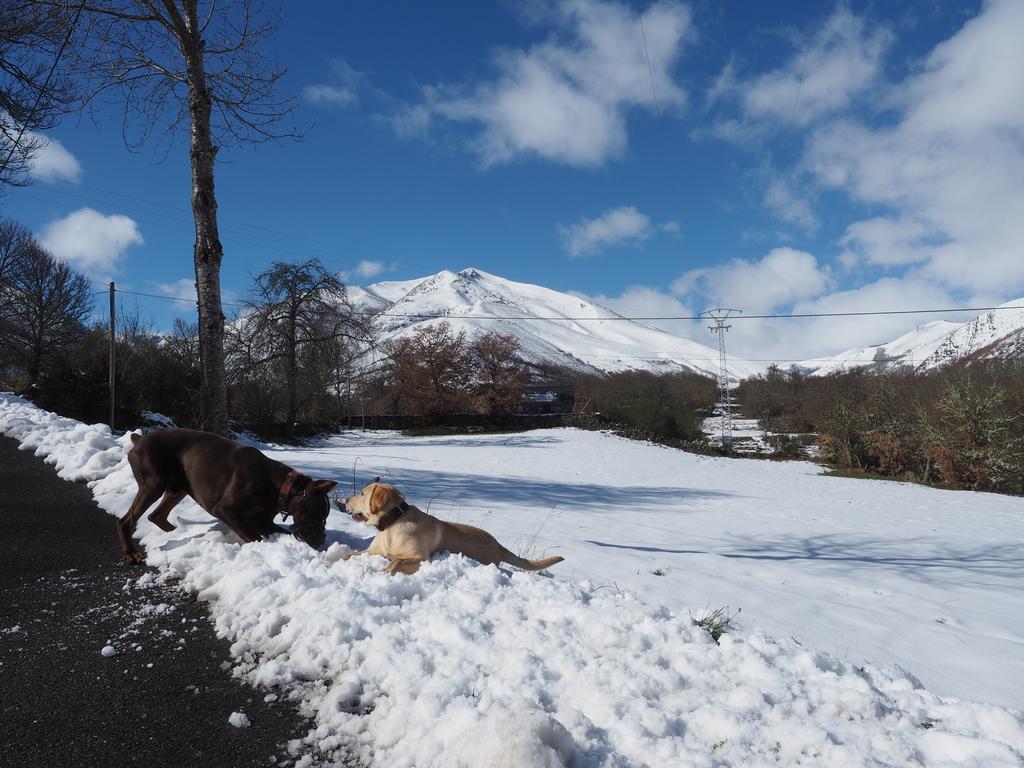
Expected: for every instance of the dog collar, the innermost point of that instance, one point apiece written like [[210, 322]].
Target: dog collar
[[288, 490], [392, 515]]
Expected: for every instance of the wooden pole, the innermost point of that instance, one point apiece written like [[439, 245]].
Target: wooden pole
[[113, 356]]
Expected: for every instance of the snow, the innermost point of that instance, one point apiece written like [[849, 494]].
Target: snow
[[908, 350], [108, 651], [874, 614], [997, 333], [477, 302], [239, 720]]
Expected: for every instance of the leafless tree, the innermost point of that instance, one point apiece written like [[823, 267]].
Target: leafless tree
[[43, 309], [501, 374], [15, 239], [177, 64], [35, 87], [429, 373], [298, 314]]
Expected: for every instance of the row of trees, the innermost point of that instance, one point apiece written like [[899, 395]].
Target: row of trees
[[175, 68], [665, 407], [961, 427], [298, 353]]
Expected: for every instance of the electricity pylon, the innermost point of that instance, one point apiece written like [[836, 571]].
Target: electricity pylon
[[719, 316]]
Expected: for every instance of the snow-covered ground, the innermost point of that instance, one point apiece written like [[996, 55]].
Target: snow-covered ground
[[843, 585]]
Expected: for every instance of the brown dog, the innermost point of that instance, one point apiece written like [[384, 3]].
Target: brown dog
[[408, 535], [235, 483]]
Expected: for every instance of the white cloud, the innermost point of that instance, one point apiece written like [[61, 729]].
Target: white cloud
[[342, 91], [783, 201], [54, 162], [613, 227], [789, 340], [802, 338], [647, 301], [91, 241], [365, 270], [841, 61], [567, 99], [782, 276], [949, 169], [826, 73], [883, 241], [184, 289]]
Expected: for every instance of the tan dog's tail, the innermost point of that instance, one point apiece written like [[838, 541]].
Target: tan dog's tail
[[531, 565]]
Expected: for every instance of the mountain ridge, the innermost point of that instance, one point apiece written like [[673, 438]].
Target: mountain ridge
[[553, 328], [556, 328]]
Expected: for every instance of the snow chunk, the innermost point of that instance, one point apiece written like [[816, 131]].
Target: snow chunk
[[239, 720], [108, 651]]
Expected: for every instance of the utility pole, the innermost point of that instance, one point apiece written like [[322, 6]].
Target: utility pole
[[113, 356], [719, 316]]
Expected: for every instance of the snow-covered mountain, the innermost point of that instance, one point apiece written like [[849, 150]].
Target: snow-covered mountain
[[909, 350], [996, 334], [587, 336], [584, 335]]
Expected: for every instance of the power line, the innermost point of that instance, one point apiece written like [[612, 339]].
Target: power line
[[696, 316], [647, 55], [226, 224], [229, 233], [637, 318]]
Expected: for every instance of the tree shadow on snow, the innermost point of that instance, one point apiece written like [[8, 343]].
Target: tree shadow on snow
[[516, 440], [924, 560], [421, 486]]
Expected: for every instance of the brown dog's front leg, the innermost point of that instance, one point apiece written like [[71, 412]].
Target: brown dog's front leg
[[126, 525], [235, 521]]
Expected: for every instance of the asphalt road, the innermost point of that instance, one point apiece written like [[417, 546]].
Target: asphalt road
[[163, 700]]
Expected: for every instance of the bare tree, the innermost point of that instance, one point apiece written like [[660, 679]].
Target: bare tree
[[43, 309], [429, 373], [298, 312], [15, 239], [501, 374], [35, 88], [174, 64]]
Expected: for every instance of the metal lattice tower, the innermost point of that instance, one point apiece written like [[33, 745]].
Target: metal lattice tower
[[719, 316]]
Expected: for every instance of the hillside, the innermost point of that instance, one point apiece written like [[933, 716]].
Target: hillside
[[994, 335], [586, 336], [576, 333], [909, 350]]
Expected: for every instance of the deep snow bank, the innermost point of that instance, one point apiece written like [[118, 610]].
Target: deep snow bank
[[466, 665]]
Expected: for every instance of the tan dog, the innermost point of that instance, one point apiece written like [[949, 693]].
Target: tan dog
[[408, 535]]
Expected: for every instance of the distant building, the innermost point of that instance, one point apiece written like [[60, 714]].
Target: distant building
[[548, 398]]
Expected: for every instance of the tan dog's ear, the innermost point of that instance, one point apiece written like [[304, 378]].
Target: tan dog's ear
[[380, 498]]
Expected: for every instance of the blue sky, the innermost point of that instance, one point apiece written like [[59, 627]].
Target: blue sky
[[789, 156]]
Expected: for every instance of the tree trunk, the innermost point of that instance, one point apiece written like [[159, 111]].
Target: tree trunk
[[208, 252], [293, 373]]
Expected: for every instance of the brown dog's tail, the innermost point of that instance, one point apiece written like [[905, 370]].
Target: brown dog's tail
[[532, 565]]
